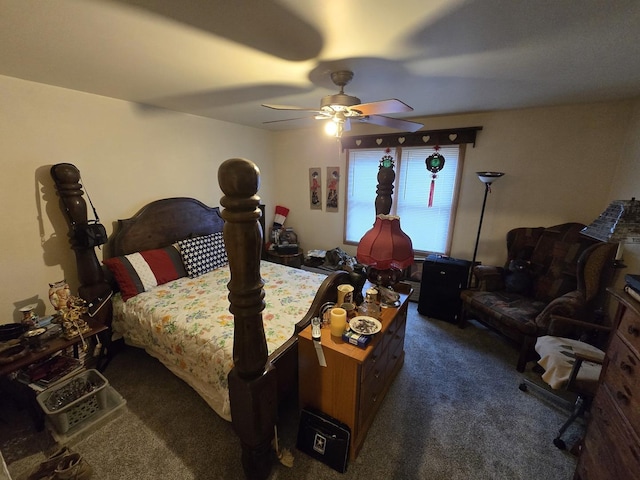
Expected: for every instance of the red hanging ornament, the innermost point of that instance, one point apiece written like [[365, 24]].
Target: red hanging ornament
[[435, 163]]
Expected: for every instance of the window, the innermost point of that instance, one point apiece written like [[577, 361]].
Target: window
[[429, 228]]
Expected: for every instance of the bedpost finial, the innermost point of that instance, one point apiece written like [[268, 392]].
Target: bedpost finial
[[65, 173], [239, 177]]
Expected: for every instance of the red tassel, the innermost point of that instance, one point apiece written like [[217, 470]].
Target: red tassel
[[433, 187]]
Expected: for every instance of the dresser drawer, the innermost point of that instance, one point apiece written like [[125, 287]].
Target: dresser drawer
[[395, 333], [630, 329], [611, 449], [371, 394], [622, 379], [375, 364]]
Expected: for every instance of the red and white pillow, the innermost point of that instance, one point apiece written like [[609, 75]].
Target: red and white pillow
[[141, 271]]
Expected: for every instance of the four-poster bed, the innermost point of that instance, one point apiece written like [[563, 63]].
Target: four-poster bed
[[261, 372]]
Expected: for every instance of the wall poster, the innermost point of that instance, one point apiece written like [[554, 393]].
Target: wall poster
[[333, 182], [315, 188]]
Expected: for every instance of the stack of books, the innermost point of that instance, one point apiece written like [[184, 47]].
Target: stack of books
[[41, 375]]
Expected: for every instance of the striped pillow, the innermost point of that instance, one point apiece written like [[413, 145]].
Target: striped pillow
[[141, 271]]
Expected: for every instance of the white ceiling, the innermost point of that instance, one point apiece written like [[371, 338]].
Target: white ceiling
[[224, 58]]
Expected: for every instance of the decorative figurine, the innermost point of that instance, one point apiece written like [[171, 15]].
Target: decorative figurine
[[72, 322], [59, 294], [29, 316]]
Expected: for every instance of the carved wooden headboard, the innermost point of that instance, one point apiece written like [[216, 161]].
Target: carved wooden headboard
[[162, 223]]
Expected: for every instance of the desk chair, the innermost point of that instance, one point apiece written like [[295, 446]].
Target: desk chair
[[571, 365]]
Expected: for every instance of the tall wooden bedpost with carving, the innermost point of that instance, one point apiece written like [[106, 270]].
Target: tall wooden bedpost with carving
[[93, 286], [252, 382]]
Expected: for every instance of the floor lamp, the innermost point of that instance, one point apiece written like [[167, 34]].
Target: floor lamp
[[487, 178]]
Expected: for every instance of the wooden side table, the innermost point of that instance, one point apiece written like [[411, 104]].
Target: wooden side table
[[52, 346], [290, 259], [25, 395], [355, 381]]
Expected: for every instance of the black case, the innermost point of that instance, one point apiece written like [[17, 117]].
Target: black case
[[442, 280], [324, 438], [633, 281]]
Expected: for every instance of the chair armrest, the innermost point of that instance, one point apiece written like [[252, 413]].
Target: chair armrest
[[559, 320], [569, 305], [489, 278], [590, 332], [589, 356], [582, 356]]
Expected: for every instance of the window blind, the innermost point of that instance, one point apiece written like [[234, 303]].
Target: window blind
[[428, 227]]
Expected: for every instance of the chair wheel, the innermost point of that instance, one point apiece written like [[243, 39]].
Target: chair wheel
[[558, 442], [537, 369], [523, 387]]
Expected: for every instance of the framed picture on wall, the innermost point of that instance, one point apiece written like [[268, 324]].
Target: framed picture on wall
[[315, 188], [333, 182]]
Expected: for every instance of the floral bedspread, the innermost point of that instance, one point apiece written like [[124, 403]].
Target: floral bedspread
[[186, 324]]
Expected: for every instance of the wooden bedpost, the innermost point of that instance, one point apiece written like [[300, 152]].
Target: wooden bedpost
[[252, 382], [93, 286]]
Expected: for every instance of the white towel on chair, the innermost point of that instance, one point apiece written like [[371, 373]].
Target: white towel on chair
[[557, 358]]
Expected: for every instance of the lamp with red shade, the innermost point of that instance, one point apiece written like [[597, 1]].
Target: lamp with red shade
[[385, 249]]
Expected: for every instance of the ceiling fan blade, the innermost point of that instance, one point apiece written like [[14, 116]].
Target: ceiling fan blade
[[396, 123], [290, 107], [287, 120], [383, 107]]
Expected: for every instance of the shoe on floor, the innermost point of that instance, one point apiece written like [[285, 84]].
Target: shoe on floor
[[72, 467], [46, 468]]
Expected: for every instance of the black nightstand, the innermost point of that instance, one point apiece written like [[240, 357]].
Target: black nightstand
[[290, 259]]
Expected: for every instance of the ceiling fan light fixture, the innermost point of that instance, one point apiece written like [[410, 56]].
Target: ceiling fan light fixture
[[335, 127], [341, 109]]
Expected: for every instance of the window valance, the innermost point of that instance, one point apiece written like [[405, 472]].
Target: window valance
[[448, 136]]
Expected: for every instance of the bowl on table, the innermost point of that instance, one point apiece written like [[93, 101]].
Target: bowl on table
[[11, 331]]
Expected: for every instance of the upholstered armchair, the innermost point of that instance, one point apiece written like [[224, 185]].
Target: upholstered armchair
[[567, 273]]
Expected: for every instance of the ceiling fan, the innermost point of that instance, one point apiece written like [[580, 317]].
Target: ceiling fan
[[341, 109]]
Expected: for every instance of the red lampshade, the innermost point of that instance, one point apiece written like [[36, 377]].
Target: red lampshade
[[385, 246]]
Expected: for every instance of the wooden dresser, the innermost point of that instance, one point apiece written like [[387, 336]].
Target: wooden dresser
[[355, 381], [612, 443]]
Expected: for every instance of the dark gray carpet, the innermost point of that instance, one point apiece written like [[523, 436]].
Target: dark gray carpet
[[454, 412]]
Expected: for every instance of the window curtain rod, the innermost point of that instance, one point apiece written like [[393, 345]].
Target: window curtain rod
[[448, 136]]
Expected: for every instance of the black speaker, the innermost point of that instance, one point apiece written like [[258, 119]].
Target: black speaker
[[442, 280]]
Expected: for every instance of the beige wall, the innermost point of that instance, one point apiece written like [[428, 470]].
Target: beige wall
[[295, 152], [127, 156], [560, 165]]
